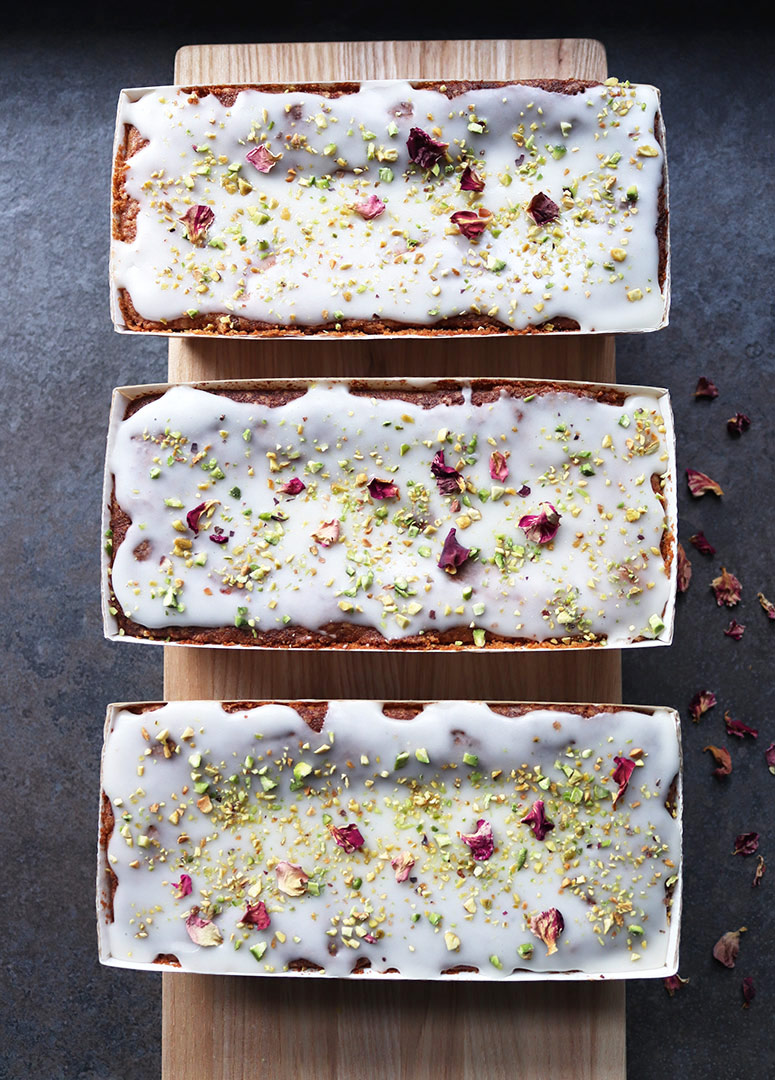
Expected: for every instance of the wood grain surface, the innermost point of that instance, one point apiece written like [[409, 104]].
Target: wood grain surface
[[218, 1028]]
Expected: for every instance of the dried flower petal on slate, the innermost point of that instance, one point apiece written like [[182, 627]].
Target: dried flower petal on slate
[[448, 480], [370, 208], [548, 926], [423, 150], [684, 570], [537, 820], [327, 533], [453, 554], [767, 605], [702, 544], [737, 727], [722, 758], [499, 470], [700, 703], [705, 388], [727, 588], [481, 842], [294, 486], [263, 158], [735, 630], [382, 489], [541, 527], [748, 990], [621, 775], [728, 946], [348, 837], [402, 864], [673, 983], [203, 931], [738, 423], [193, 516], [470, 223], [197, 220], [542, 209], [256, 915], [769, 755], [291, 879], [471, 180], [761, 866], [182, 887], [700, 484], [746, 843]]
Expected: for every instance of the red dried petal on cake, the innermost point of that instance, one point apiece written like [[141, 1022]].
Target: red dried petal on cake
[[256, 915], [542, 209], [769, 757], [621, 775], [727, 588], [728, 946], [193, 516], [382, 489], [541, 527], [424, 150], [499, 469], [327, 533], [291, 879], [737, 424], [674, 983], [524, 491], [537, 820], [402, 864], [183, 887], [705, 388], [218, 538], [700, 703], [480, 842], [348, 837], [699, 483], [702, 544], [761, 866], [684, 570], [737, 727], [448, 480], [470, 223], [370, 208], [263, 158], [735, 630], [548, 926], [722, 758], [294, 486], [471, 180], [453, 554], [767, 605], [203, 932], [748, 990], [746, 843], [197, 220]]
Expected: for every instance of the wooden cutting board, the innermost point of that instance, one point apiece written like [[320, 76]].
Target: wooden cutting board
[[218, 1028]]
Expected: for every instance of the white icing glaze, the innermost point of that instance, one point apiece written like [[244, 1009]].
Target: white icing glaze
[[604, 869], [603, 574], [292, 253]]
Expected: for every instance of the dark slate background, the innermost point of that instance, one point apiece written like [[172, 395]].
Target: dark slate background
[[65, 1018]]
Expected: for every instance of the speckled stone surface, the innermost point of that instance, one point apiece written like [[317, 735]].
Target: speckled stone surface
[[64, 1017]]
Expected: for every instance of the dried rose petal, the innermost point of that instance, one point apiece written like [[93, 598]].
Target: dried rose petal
[[263, 158], [291, 879], [424, 150], [370, 208], [684, 570], [193, 516], [524, 491], [548, 926], [738, 423], [218, 538], [294, 486], [197, 220], [728, 946], [470, 224], [727, 588], [767, 605], [256, 915], [382, 489], [203, 931], [722, 758], [761, 866], [542, 209], [499, 470], [481, 842], [327, 533], [348, 837], [735, 630], [537, 820], [699, 483], [471, 180], [402, 864], [705, 388], [621, 775], [700, 703], [769, 756], [737, 727], [182, 887], [702, 544], [453, 554], [541, 527], [748, 990], [673, 983], [746, 843], [448, 480]]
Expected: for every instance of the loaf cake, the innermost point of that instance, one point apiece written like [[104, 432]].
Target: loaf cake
[[391, 514], [421, 840], [390, 207]]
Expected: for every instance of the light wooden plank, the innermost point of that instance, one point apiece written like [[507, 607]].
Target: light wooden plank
[[230, 1028]]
